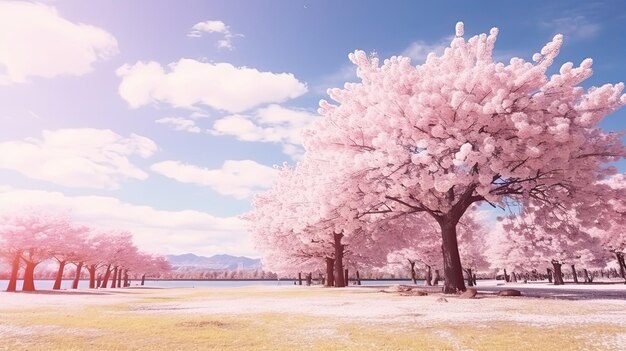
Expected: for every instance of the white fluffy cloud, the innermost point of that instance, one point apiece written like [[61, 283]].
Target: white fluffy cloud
[[89, 158], [218, 27], [166, 232], [273, 123], [36, 42], [188, 83], [239, 179], [180, 124]]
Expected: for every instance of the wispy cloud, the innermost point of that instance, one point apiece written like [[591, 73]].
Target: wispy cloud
[[574, 27], [180, 124], [346, 73], [419, 50], [273, 124], [239, 179], [215, 27]]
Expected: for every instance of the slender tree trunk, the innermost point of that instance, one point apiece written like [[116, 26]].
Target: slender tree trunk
[[413, 276], [358, 278], [513, 277], [622, 265], [299, 278], [92, 276], [330, 272], [79, 267], [309, 279], [339, 278], [114, 278], [429, 276], [549, 275], [143, 279], [436, 278], [105, 279], [59, 277], [119, 278], [474, 278], [126, 280], [15, 268], [470, 278], [558, 275], [574, 275], [506, 276], [345, 277], [29, 277]]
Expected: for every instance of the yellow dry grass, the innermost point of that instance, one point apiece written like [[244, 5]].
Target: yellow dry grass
[[119, 326]]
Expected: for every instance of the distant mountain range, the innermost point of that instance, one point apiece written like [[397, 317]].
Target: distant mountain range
[[216, 262]]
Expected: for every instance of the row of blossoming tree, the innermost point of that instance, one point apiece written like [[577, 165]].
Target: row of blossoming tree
[[32, 236], [404, 157]]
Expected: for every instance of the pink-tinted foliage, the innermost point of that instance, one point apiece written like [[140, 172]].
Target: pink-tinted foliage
[[462, 129]]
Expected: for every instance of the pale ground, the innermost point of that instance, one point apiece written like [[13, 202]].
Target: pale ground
[[295, 317]]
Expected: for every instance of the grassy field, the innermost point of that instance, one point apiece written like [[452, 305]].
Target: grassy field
[[294, 318]]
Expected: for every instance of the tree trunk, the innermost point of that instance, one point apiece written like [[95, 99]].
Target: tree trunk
[[345, 277], [436, 278], [107, 275], [506, 276], [79, 267], [412, 265], [29, 277], [119, 278], [299, 278], [309, 279], [92, 276], [452, 269], [549, 275], [558, 275], [143, 279], [513, 277], [586, 275], [330, 272], [126, 280], [574, 274], [15, 267], [622, 265], [470, 278], [429, 276], [59, 277], [114, 278], [474, 278], [339, 278], [358, 278]]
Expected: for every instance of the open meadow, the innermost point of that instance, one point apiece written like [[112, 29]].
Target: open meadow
[[303, 318]]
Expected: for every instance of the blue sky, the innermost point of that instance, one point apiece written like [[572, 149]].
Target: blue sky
[[280, 57]]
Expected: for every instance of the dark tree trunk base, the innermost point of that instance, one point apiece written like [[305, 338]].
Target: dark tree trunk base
[[79, 267], [59, 277], [452, 269], [15, 267], [29, 277], [330, 272], [339, 277], [558, 275]]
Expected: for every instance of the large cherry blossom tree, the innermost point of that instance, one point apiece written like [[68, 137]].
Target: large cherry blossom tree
[[462, 129]]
